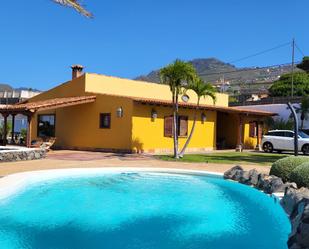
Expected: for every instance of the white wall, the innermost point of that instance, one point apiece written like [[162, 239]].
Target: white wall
[[281, 109]]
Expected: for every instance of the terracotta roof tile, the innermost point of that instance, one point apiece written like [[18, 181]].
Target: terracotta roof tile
[[205, 107], [48, 104]]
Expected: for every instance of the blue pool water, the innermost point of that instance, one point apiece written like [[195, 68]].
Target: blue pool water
[[142, 211]]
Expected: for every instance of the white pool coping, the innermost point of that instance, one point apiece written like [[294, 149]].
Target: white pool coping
[[6, 149], [15, 183]]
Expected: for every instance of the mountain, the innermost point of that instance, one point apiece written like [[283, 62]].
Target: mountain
[[8, 88], [214, 71], [5, 87]]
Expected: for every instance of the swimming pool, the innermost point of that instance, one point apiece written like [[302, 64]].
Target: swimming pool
[[141, 210]]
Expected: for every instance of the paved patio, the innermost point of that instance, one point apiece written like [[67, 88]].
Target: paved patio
[[78, 159]]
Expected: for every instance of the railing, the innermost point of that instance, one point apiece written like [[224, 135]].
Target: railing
[[268, 101]]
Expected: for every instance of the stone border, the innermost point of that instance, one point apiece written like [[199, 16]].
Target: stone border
[[13, 154], [293, 200]]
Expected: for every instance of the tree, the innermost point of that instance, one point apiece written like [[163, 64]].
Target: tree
[[304, 65], [201, 89], [282, 87], [75, 5], [279, 124], [8, 129], [177, 75]]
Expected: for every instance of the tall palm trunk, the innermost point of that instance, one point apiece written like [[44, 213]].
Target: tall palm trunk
[[192, 130], [175, 126], [175, 130]]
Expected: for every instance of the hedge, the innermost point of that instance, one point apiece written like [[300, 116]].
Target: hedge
[[283, 167], [300, 175]]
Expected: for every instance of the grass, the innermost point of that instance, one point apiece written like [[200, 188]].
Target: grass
[[228, 158]]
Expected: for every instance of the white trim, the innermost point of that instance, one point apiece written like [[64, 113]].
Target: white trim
[[12, 184]]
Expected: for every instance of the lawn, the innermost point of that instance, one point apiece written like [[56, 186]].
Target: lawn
[[228, 158]]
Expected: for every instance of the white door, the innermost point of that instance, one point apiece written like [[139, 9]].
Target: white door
[[278, 140], [288, 142]]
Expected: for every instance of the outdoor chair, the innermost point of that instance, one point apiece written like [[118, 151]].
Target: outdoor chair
[[46, 144]]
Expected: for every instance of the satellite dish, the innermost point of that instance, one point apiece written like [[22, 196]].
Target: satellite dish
[[185, 98]]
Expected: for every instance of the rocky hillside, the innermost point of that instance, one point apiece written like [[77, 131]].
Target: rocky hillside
[[5, 87], [214, 70], [8, 88]]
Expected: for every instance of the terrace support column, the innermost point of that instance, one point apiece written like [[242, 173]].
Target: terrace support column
[[13, 128], [29, 130], [239, 146], [4, 142], [259, 127]]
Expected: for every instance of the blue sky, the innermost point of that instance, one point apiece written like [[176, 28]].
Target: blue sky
[[127, 38]]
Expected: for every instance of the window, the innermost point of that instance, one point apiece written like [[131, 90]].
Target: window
[[182, 126], [270, 133], [279, 134], [46, 125], [289, 134], [303, 134], [253, 129], [168, 126], [105, 120]]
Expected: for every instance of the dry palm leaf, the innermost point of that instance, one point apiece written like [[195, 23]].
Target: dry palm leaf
[[75, 5]]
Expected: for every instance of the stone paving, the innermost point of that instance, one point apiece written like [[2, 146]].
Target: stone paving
[[78, 159]]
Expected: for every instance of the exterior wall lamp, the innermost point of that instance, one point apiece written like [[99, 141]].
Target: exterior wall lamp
[[203, 118], [120, 112], [154, 115]]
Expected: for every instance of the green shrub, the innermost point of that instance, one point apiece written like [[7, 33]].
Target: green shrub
[[283, 167], [300, 175]]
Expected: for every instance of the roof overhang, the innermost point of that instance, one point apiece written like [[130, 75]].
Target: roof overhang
[[32, 107], [235, 110]]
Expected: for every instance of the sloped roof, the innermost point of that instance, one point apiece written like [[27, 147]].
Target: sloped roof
[[47, 104], [239, 110]]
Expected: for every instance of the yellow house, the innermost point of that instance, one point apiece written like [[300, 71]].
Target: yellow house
[[97, 112]]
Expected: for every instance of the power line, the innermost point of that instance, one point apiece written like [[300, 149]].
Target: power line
[[262, 52], [247, 69], [298, 48]]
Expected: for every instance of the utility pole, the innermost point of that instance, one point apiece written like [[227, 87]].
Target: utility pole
[[293, 63]]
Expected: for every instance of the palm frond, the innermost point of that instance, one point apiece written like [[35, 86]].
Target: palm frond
[[75, 5], [202, 89], [177, 74]]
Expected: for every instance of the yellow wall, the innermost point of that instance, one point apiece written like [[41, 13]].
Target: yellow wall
[[96, 83], [148, 135], [78, 126], [249, 142], [72, 88]]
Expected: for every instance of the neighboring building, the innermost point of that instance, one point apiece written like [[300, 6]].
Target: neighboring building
[[14, 97], [222, 86], [282, 110], [97, 112]]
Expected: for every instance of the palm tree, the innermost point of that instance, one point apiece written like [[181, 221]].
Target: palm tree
[[201, 89], [303, 110], [75, 5], [176, 75]]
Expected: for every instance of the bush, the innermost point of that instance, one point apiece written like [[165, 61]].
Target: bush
[[282, 87], [283, 167], [300, 175]]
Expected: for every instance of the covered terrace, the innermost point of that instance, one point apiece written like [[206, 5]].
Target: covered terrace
[[29, 109], [230, 122]]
